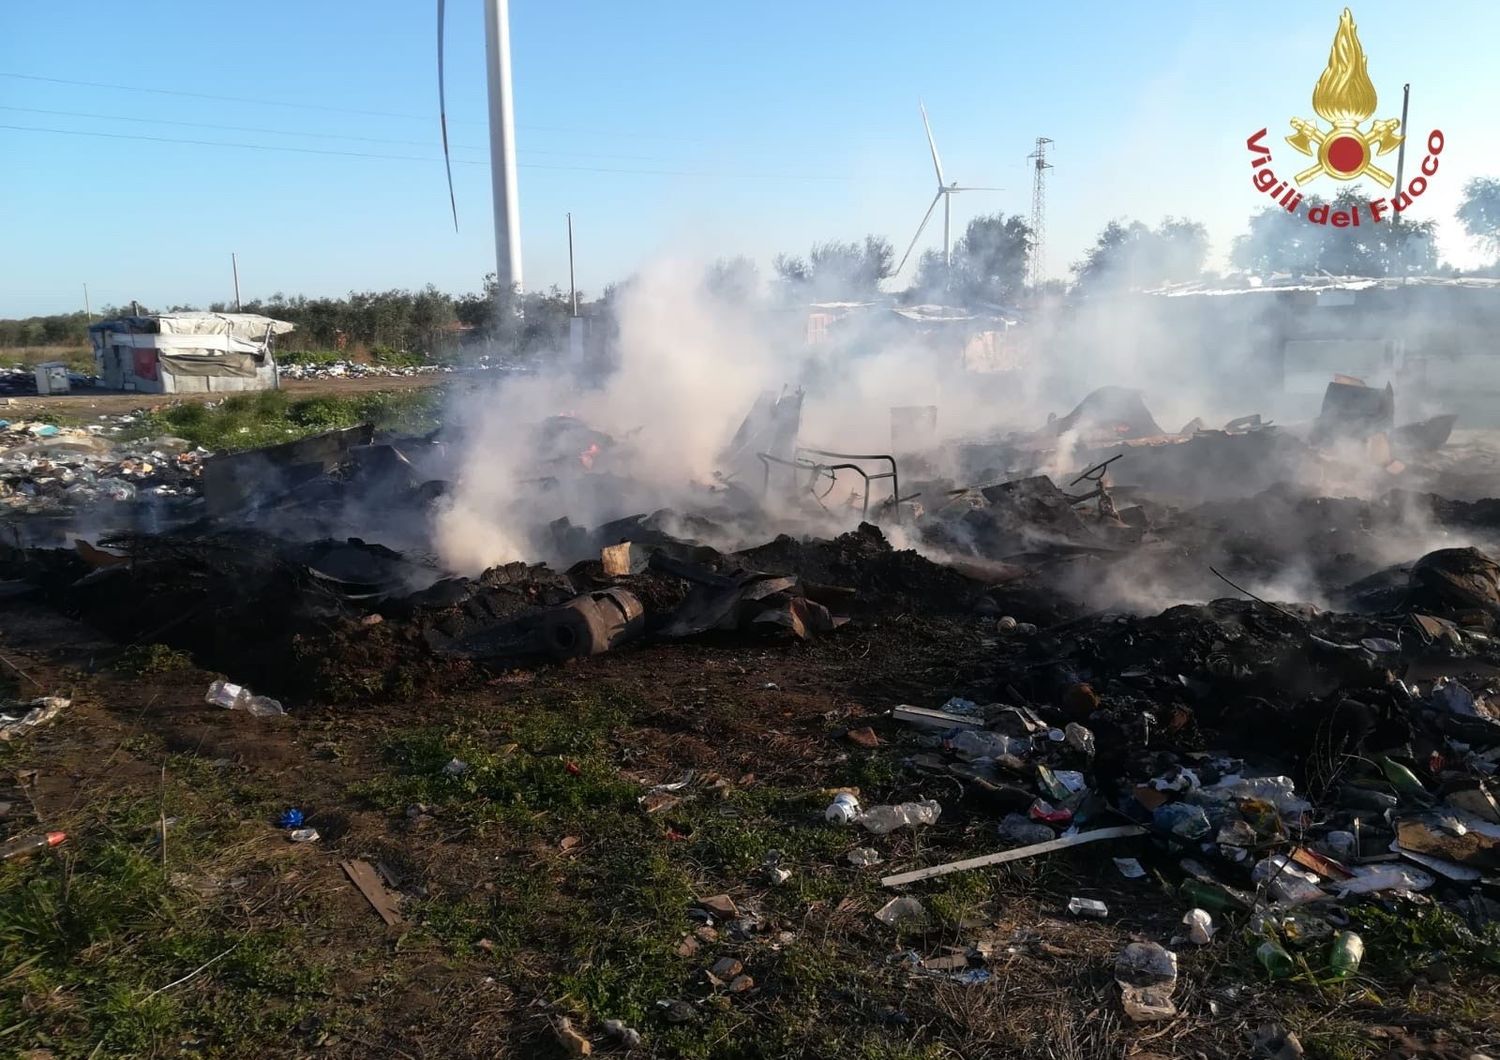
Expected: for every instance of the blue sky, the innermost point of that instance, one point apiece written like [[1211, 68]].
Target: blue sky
[[665, 127]]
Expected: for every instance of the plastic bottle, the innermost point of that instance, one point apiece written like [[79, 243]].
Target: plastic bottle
[[237, 697], [883, 819], [1275, 960], [981, 743], [31, 844], [1348, 951]]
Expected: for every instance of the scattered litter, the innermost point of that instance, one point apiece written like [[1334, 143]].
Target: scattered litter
[[456, 767], [842, 810], [1200, 926], [1147, 976], [39, 712], [898, 909], [1091, 908], [24, 846], [291, 818], [1130, 868], [880, 820], [864, 857], [616, 1029], [573, 1043], [236, 697], [303, 835]]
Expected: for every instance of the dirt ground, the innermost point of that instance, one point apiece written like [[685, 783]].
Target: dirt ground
[[86, 404], [535, 885]]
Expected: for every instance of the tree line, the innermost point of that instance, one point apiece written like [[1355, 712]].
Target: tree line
[[988, 267]]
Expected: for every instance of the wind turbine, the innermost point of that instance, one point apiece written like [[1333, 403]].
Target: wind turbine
[[945, 192]]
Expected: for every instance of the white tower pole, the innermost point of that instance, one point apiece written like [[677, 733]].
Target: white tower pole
[[947, 240], [503, 146]]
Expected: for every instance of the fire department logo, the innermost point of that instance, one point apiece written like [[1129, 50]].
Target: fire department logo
[[1347, 146], [1345, 98]]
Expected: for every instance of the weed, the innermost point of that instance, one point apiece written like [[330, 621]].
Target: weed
[[146, 659]]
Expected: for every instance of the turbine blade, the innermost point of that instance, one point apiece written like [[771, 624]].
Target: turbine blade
[[443, 116], [931, 143], [925, 218], [973, 188]]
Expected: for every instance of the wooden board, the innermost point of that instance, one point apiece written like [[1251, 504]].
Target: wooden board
[[1120, 832], [363, 876]]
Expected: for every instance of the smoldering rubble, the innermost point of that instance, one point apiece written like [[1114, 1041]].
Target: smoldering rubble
[[1267, 651]]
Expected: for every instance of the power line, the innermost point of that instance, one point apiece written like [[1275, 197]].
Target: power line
[[294, 132], [333, 110], [415, 158], [222, 99]]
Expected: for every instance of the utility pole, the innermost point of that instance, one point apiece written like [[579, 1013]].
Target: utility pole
[[503, 149], [234, 263], [576, 323], [1400, 168], [1039, 210], [572, 283]]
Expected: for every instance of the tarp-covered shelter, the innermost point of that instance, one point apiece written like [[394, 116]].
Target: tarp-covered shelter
[[188, 353]]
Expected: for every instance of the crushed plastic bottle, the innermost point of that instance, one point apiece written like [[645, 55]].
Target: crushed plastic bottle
[[982, 743], [1147, 974], [898, 909], [1079, 738], [881, 820], [1348, 951], [237, 697]]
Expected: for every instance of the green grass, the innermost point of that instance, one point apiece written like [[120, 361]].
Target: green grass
[[78, 358], [92, 933], [248, 421]]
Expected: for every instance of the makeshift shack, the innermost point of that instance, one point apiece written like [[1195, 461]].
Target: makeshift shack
[[188, 353]]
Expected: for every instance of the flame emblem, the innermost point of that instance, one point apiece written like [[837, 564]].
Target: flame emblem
[[1345, 98]]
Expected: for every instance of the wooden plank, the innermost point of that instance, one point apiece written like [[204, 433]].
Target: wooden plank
[[363, 876], [1120, 832]]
